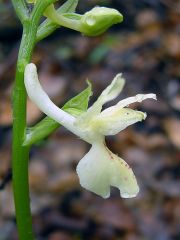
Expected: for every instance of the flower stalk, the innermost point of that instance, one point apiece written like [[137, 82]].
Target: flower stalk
[[92, 23]]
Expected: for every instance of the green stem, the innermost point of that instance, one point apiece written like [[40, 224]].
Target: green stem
[[21, 153]]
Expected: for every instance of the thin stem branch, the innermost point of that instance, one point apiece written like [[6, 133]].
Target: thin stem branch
[[52, 14], [39, 9], [48, 26]]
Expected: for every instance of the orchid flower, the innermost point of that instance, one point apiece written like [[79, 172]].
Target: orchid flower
[[99, 169]]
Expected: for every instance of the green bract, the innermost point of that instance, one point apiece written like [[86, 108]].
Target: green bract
[[99, 169]]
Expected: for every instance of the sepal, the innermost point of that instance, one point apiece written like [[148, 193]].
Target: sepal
[[113, 120], [100, 169], [109, 93]]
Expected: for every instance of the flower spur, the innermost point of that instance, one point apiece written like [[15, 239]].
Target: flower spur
[[99, 169]]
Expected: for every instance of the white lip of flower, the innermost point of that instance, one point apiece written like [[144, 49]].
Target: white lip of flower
[[99, 168]]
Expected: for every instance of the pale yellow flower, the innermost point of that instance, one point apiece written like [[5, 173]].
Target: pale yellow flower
[[99, 169]]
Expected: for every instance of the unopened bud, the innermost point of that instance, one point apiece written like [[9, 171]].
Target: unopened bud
[[98, 20]]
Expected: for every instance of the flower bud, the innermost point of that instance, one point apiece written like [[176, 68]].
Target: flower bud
[[92, 23], [98, 20]]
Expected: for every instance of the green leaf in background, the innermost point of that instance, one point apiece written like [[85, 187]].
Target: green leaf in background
[[47, 27], [75, 106], [98, 54]]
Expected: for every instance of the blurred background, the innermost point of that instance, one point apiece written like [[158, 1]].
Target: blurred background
[[146, 49]]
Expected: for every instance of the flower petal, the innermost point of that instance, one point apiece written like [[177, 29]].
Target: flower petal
[[138, 98], [93, 171], [109, 93], [112, 91], [84, 121], [123, 177], [100, 168], [114, 119], [37, 95]]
